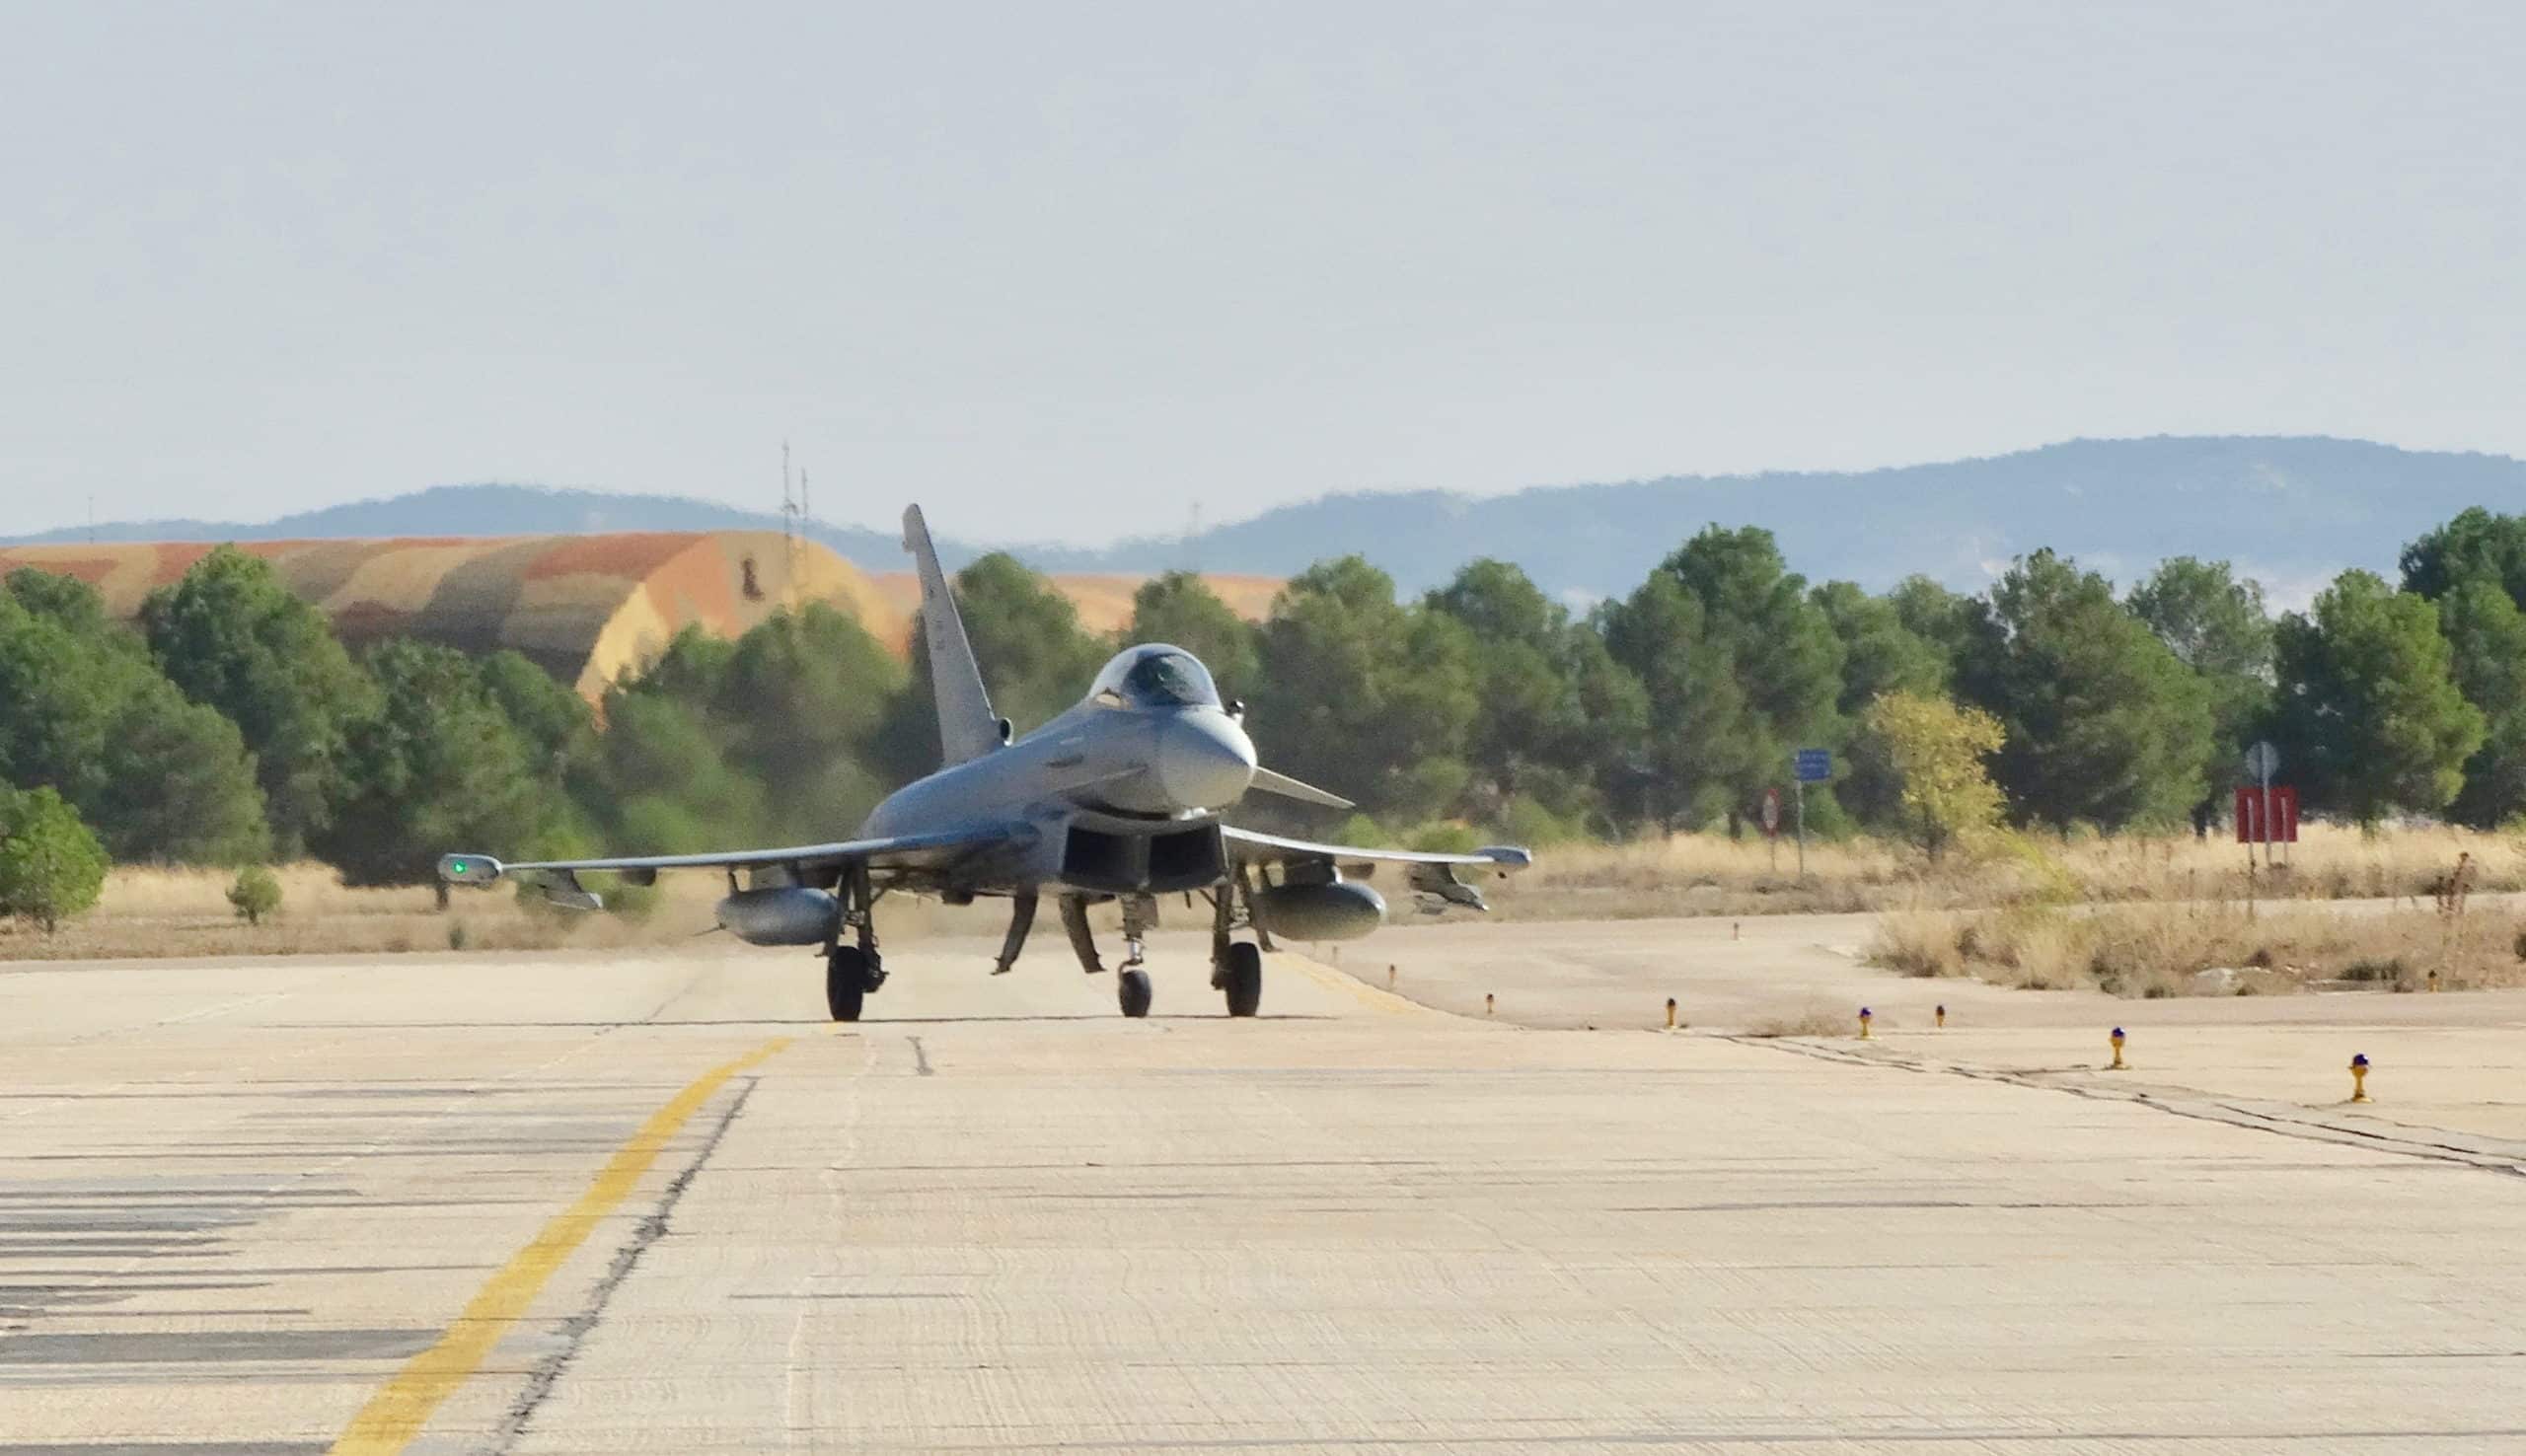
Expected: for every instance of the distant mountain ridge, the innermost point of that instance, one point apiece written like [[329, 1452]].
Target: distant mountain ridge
[[2292, 510]]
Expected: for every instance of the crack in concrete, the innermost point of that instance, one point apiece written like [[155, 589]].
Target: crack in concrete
[[575, 1330]]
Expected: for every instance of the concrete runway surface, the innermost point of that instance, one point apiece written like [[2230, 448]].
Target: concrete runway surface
[[657, 1203]]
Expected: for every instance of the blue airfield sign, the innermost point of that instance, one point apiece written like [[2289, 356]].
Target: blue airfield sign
[[1813, 766]]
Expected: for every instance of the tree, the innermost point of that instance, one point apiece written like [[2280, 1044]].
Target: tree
[[231, 636], [255, 894], [2216, 624], [50, 866], [2476, 544], [1694, 747], [1937, 752], [668, 785], [1749, 626], [1880, 655], [2475, 569], [1178, 607], [1554, 708], [436, 768], [804, 704], [558, 725], [1364, 695], [2368, 701], [156, 776], [1782, 648], [1951, 624], [2487, 653], [1036, 659], [2102, 723]]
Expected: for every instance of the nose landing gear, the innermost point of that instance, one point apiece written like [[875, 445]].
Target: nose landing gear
[[1236, 967], [1131, 986]]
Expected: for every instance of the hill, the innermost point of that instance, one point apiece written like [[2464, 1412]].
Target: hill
[[2291, 510]]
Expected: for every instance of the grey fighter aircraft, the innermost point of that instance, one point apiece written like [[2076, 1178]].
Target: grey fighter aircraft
[[1117, 799]]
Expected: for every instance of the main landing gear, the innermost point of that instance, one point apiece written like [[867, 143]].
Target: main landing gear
[[1237, 966], [852, 972]]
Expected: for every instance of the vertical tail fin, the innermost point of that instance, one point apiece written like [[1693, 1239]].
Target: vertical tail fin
[[967, 729]]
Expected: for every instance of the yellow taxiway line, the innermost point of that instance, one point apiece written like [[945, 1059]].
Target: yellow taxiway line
[[398, 1411]]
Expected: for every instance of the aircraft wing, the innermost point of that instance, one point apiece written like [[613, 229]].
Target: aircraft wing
[[899, 851], [1431, 874]]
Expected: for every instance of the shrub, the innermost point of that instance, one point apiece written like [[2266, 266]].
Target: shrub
[[52, 866], [255, 894]]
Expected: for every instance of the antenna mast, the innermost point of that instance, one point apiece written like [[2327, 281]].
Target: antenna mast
[[788, 534]]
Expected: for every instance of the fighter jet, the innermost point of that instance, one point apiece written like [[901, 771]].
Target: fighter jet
[[1117, 799]]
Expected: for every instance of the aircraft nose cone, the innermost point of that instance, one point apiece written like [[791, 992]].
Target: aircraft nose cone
[[1203, 761]]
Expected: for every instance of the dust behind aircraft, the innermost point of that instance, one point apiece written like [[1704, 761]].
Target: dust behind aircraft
[[1118, 798]]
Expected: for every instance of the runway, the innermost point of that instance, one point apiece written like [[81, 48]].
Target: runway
[[657, 1203]]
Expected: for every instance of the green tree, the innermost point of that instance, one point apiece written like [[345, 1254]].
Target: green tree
[[2368, 701], [2477, 544], [2102, 723], [1178, 607], [2487, 652], [806, 703], [437, 767], [1694, 747], [558, 725], [50, 866], [1364, 695], [2215, 623], [669, 786], [233, 637], [1951, 624], [1554, 708], [1036, 659], [1781, 647], [1880, 655], [1752, 625], [155, 776], [1937, 752], [255, 894]]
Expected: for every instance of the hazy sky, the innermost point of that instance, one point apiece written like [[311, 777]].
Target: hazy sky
[[1065, 270]]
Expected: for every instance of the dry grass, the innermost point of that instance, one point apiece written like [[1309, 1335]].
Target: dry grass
[[1712, 875], [2208, 948], [149, 911]]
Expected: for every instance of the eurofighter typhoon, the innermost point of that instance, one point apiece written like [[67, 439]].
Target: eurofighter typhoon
[[1117, 799]]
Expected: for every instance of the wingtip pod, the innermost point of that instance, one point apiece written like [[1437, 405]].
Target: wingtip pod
[[468, 869], [1508, 856]]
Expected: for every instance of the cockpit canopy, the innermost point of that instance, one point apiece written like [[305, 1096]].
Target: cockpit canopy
[[1154, 675]]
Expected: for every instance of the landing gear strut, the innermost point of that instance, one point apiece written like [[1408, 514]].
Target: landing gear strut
[[1236, 967], [852, 972], [1132, 987]]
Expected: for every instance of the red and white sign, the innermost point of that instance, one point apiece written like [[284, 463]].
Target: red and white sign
[[2281, 826], [1771, 811]]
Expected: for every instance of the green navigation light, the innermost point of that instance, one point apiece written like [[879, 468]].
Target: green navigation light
[[457, 867]]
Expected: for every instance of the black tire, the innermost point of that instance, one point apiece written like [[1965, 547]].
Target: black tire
[[846, 981], [1242, 978], [1132, 990]]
